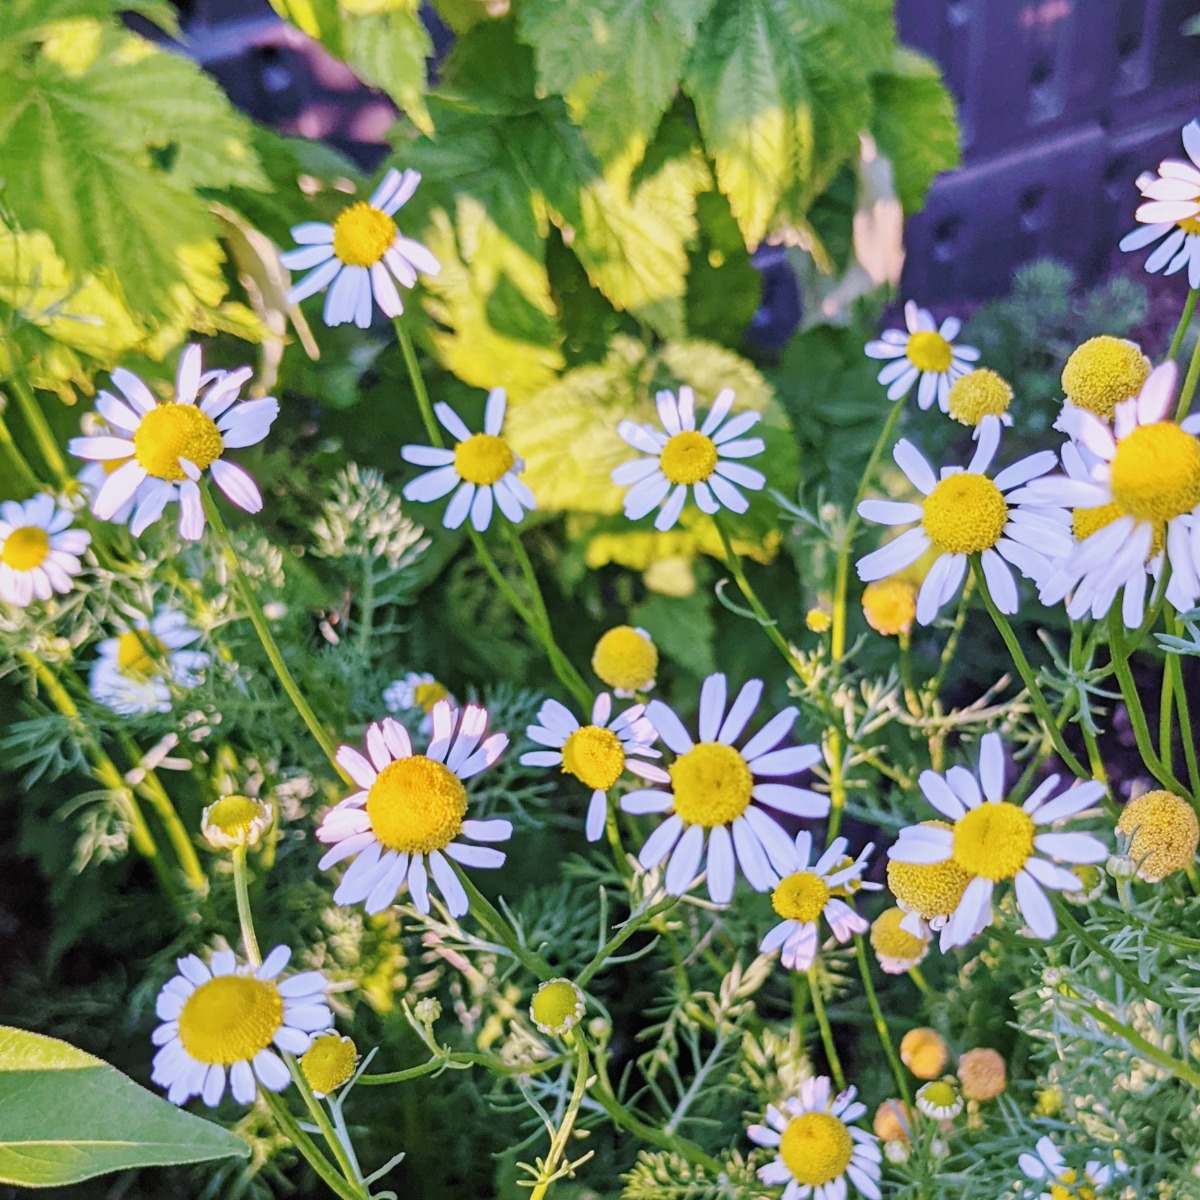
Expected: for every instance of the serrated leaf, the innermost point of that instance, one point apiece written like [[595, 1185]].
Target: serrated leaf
[[386, 44], [66, 1116], [27, 20]]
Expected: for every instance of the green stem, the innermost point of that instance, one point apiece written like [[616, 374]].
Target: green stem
[[1174, 671], [19, 461], [1189, 384], [308, 1148], [1131, 977], [881, 1028], [464, 1058], [618, 939], [914, 973], [951, 646], [1166, 722], [432, 428], [43, 435], [241, 888], [493, 921], [818, 1003], [558, 1144], [1189, 307], [1147, 1049]]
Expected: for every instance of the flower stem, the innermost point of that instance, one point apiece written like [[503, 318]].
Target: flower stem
[[308, 1148], [493, 921], [1131, 977], [39, 427], [1189, 307], [881, 1028], [1174, 671], [19, 461], [1189, 383], [818, 1003], [1145, 1048], [432, 428], [241, 888], [558, 1144], [618, 939], [951, 646]]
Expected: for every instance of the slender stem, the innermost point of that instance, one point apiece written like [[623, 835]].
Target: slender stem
[[618, 939], [1174, 671], [1166, 718], [562, 1135], [464, 1058], [1131, 977], [951, 646], [418, 383], [1185, 320], [493, 921], [43, 435], [818, 1003], [1189, 384], [308, 1148], [19, 461], [881, 1028], [366, 609], [1147, 1049], [241, 889], [914, 973]]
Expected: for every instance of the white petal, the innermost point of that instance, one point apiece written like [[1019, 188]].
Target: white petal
[[1035, 907], [685, 860]]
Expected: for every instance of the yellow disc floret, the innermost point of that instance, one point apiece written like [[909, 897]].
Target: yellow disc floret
[[556, 1006], [594, 756], [230, 1019], [234, 821], [426, 695], [1086, 521], [816, 1148], [979, 394], [890, 606], [25, 548], [362, 235], [929, 351], [939, 1099], [416, 805], [1163, 833], [818, 620], [965, 514], [993, 840], [712, 784], [1068, 1187], [328, 1063], [923, 1051], [1103, 372], [483, 459], [626, 658], [931, 889], [136, 651], [689, 457], [170, 432], [981, 1073], [1156, 472], [896, 948], [800, 897]]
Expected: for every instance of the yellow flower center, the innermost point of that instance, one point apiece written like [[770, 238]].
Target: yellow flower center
[[1189, 225], [556, 1005], [890, 941], [416, 805], [818, 620], [230, 1019], [328, 1063], [993, 840], [932, 889], [626, 659], [25, 548], [426, 695], [712, 784], [1163, 833], [1156, 472], [136, 650], [1086, 521], [689, 457], [965, 514], [800, 897], [979, 394], [362, 235], [940, 1094], [816, 1148], [170, 432], [483, 459], [890, 606], [923, 1051], [929, 351], [234, 815], [1102, 372], [1069, 1188], [112, 465], [594, 756]]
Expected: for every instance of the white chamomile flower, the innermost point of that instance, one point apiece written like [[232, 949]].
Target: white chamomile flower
[[817, 1145], [406, 821], [965, 513], [1146, 478], [684, 456], [39, 551], [1062, 1182], [131, 674], [165, 448], [1172, 213], [926, 352], [360, 256], [596, 754], [416, 690], [225, 1018], [92, 476], [940, 1100], [720, 794], [482, 467], [992, 840], [809, 893]]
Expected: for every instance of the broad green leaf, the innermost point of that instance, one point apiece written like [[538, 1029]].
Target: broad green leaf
[[682, 628], [66, 1116], [386, 44], [28, 20]]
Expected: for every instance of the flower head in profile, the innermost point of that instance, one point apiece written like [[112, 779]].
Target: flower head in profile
[[720, 794], [222, 1023], [896, 949], [817, 1145], [482, 471], [361, 256], [165, 448], [980, 394], [39, 551], [410, 814], [597, 754], [927, 893], [808, 893], [329, 1062], [964, 513], [993, 840], [136, 670], [1048, 1167], [416, 690], [235, 821], [626, 658], [680, 456], [940, 1099], [925, 355]]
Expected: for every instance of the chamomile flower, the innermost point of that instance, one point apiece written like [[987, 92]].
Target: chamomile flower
[[626, 658], [410, 813], [221, 1021], [360, 256], [39, 551], [135, 670], [557, 1007], [993, 840], [597, 754], [808, 893], [481, 470], [92, 476], [965, 513], [416, 690], [165, 448], [818, 1146], [927, 893], [1048, 1167], [720, 794], [682, 457], [926, 352], [982, 1074], [895, 947], [329, 1062], [1171, 213], [940, 1099], [1163, 832], [1102, 372], [980, 394], [234, 822]]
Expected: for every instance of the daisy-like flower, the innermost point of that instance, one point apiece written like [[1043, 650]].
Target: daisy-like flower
[[596, 754], [92, 476], [1048, 1167], [482, 467], [682, 456], [416, 690], [360, 256], [235, 821], [808, 893], [926, 352], [965, 513], [39, 551], [928, 893], [1148, 467], [131, 674], [1162, 832], [557, 1007], [940, 1099], [977, 395], [896, 949], [818, 1147], [222, 1020], [411, 811], [626, 658], [165, 448], [720, 794], [329, 1062], [993, 840], [1171, 213]]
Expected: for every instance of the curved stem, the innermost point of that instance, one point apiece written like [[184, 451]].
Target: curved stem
[[1174, 672], [881, 1028], [19, 461], [558, 1144], [464, 1058], [1146, 1049], [493, 921], [308, 1148], [951, 646], [1189, 383], [1131, 977], [1189, 307], [618, 939], [43, 435], [818, 1003], [432, 428]]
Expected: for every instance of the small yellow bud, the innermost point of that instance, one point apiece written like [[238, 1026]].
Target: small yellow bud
[[923, 1051], [556, 1007], [818, 620], [328, 1062], [890, 606], [234, 821]]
